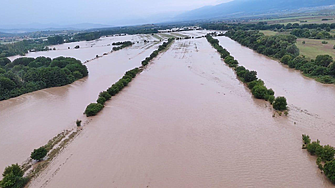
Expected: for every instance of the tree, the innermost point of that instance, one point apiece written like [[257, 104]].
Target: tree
[[323, 60], [39, 154], [15, 169], [285, 59], [280, 104], [328, 153], [259, 91], [313, 147], [293, 49], [329, 169], [93, 109], [13, 177]]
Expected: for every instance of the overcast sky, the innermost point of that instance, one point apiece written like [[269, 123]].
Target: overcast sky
[[111, 12]]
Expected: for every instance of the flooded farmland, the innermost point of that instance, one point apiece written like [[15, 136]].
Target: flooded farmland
[[30, 120], [186, 121]]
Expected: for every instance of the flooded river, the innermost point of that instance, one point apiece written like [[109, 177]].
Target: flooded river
[[186, 121], [30, 120]]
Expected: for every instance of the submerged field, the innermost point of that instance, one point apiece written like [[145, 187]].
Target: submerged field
[[185, 121]]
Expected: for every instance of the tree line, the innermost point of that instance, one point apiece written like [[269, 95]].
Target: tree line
[[325, 156], [94, 108], [283, 48], [25, 75], [121, 45], [256, 85]]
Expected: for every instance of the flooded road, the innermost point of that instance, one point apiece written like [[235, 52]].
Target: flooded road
[[311, 103], [30, 120], [186, 121]]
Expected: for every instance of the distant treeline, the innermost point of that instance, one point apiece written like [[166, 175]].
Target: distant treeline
[[265, 26], [283, 48], [122, 45], [325, 156], [94, 108], [256, 85], [25, 75], [126, 30]]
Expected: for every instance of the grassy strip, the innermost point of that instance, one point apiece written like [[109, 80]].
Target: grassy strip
[[256, 85], [94, 108], [325, 156]]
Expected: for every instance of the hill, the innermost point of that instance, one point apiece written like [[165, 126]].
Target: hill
[[239, 8]]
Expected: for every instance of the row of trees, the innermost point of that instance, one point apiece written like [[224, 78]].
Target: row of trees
[[312, 33], [283, 47], [325, 156], [322, 68], [156, 52], [25, 75], [256, 85], [94, 108], [266, 26], [273, 46], [121, 45]]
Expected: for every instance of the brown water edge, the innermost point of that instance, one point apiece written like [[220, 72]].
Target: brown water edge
[[186, 121], [310, 102], [30, 120]]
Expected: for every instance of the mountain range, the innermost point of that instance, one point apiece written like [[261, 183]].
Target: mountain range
[[239, 8]]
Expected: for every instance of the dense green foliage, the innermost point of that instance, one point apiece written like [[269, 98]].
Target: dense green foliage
[[273, 46], [324, 153], [156, 52], [122, 45], [93, 109], [283, 47], [13, 177], [257, 86], [39, 154], [25, 75]]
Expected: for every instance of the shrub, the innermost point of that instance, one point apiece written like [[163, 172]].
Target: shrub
[[271, 99], [113, 90], [78, 122], [106, 95], [328, 153], [285, 59], [280, 104], [259, 91], [254, 83], [77, 74], [15, 169], [326, 79], [250, 76], [306, 139], [93, 109], [39, 154], [313, 147], [101, 100], [329, 169]]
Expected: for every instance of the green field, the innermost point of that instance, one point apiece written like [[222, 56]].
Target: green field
[[268, 32], [314, 47], [297, 19]]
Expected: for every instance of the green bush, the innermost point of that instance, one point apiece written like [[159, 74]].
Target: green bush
[[93, 109], [39, 154], [101, 100], [271, 99], [328, 153], [306, 139], [285, 59], [314, 147], [259, 91], [329, 169], [105, 95], [113, 90], [254, 83], [15, 169], [280, 104]]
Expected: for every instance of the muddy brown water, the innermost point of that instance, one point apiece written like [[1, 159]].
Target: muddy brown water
[[186, 121], [30, 120]]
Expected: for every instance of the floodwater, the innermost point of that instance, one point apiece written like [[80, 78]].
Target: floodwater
[[29, 121], [311, 103], [186, 121]]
